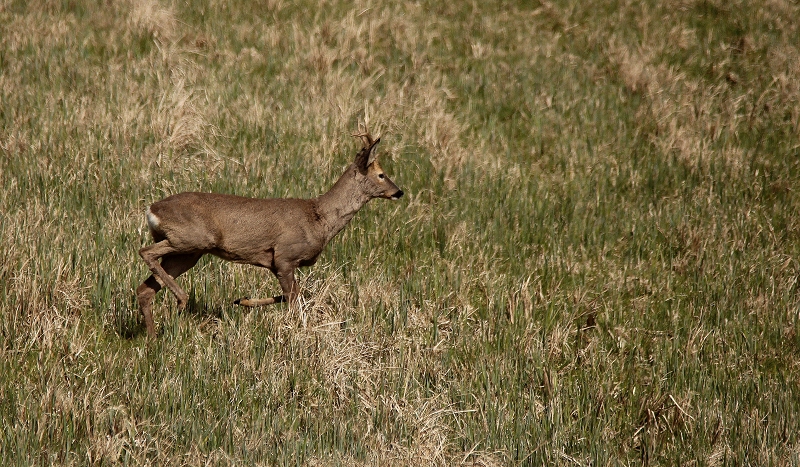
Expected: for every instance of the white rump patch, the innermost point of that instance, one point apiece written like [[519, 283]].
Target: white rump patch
[[152, 220]]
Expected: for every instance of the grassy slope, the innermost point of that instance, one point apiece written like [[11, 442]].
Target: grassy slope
[[596, 261]]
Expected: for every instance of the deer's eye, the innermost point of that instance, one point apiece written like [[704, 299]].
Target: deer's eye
[[381, 176]]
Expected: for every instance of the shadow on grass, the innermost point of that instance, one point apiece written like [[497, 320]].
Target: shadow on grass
[[202, 310], [124, 320]]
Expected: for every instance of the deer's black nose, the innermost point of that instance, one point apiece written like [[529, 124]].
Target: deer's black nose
[[398, 195]]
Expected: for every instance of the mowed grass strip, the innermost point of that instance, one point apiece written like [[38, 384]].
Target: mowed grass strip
[[595, 262]]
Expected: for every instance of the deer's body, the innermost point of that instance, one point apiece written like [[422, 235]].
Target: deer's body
[[279, 234], [238, 229]]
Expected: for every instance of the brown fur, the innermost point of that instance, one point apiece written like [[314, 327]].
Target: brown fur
[[279, 234]]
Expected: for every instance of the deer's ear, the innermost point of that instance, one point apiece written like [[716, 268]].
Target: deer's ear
[[365, 157], [371, 157]]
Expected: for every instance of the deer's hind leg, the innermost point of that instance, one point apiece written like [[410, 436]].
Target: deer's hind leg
[[171, 267], [163, 249]]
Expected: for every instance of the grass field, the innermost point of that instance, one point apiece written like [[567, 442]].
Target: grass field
[[596, 262]]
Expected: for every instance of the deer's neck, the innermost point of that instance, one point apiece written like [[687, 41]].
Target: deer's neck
[[338, 206]]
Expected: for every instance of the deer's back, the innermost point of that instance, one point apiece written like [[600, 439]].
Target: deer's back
[[236, 224]]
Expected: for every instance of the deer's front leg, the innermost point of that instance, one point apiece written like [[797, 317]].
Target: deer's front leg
[[251, 302], [288, 285]]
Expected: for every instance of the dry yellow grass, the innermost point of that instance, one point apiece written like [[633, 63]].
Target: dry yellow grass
[[596, 262]]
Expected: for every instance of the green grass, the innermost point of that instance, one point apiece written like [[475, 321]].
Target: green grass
[[595, 263]]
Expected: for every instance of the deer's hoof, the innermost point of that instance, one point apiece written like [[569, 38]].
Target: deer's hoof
[[239, 301]]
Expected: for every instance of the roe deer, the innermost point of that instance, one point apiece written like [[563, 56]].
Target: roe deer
[[278, 234]]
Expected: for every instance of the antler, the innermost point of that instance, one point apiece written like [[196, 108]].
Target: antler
[[365, 156], [364, 136]]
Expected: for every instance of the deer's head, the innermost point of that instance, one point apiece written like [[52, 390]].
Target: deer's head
[[375, 183]]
